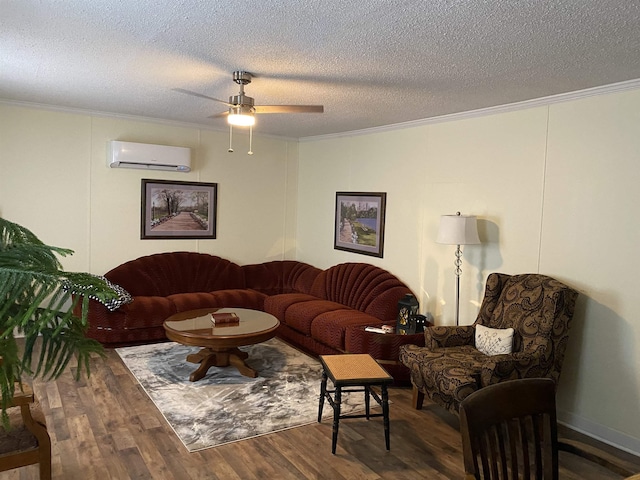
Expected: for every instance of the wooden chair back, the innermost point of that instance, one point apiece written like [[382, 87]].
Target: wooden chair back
[[27, 442], [509, 431]]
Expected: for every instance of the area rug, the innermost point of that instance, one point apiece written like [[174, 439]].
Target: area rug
[[225, 406]]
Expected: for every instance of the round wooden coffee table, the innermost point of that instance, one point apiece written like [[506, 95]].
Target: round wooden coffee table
[[221, 342]]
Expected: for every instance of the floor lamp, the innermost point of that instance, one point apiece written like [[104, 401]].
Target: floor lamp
[[458, 230]]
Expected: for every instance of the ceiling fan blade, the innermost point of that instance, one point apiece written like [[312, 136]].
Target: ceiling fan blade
[[289, 109], [195, 94], [219, 115]]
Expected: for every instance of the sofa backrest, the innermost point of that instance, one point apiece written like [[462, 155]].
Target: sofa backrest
[[280, 276], [363, 287], [164, 274]]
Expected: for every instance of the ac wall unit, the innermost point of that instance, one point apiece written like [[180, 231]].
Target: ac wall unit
[[148, 157]]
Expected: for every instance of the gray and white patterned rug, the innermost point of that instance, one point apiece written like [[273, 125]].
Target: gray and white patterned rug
[[225, 406]]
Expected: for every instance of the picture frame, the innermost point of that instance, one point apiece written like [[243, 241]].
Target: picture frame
[[359, 222], [178, 210]]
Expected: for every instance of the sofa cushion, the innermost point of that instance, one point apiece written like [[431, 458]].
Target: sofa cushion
[[448, 375], [277, 305], [330, 327], [300, 316], [145, 312]]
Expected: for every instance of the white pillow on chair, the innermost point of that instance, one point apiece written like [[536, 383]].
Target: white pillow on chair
[[494, 341]]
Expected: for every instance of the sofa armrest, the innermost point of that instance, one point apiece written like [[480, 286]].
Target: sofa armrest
[[444, 336]]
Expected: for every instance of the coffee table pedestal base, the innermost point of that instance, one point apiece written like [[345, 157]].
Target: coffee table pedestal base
[[208, 357]]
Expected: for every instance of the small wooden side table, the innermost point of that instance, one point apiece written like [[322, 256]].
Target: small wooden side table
[[354, 370]]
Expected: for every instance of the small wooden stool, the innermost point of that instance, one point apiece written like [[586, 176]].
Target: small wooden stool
[[354, 370]]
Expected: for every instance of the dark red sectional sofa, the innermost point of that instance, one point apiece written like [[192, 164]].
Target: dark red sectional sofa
[[320, 311]]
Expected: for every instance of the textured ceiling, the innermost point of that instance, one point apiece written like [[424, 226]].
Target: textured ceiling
[[369, 62]]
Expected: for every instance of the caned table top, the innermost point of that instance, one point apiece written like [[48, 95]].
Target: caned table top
[[354, 369]]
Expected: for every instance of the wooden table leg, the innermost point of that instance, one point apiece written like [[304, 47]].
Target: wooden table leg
[[417, 398], [200, 356], [323, 392], [367, 400], [336, 418], [208, 358], [237, 358], [202, 370], [385, 415]]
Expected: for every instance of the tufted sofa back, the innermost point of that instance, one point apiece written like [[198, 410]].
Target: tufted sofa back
[[280, 276], [362, 287], [165, 274]]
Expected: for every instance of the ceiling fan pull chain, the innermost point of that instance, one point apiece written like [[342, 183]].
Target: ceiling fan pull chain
[[230, 139], [250, 152]]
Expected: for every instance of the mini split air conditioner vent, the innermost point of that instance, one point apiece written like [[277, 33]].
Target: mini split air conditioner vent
[[148, 157]]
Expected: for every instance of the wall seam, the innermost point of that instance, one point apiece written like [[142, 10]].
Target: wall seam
[[544, 184], [90, 194], [284, 207], [199, 170]]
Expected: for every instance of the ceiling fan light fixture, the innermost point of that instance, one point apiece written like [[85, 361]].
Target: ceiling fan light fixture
[[241, 116], [242, 109]]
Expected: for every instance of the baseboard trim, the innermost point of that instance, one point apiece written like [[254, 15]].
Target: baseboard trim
[[604, 434]]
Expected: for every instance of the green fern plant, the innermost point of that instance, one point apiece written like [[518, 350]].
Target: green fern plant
[[36, 301]]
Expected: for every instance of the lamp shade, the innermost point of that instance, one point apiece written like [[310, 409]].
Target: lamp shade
[[458, 230]]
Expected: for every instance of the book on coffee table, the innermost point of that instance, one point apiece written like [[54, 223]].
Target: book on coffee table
[[229, 318]]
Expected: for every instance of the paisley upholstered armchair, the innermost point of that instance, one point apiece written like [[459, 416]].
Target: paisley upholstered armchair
[[528, 318]]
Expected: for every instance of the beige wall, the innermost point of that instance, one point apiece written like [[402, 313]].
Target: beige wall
[[555, 190], [54, 180]]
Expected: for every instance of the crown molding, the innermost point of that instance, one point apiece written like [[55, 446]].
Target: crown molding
[[135, 118], [510, 107], [481, 112]]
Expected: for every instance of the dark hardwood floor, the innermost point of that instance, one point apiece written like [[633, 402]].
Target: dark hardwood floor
[[106, 427]]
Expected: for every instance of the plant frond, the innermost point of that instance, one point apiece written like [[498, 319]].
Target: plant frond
[[9, 373], [37, 299]]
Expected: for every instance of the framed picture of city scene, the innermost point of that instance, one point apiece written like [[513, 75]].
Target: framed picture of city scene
[[176, 210], [359, 222]]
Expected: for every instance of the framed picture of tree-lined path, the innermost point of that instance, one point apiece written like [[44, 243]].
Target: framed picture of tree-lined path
[[359, 222], [175, 210]]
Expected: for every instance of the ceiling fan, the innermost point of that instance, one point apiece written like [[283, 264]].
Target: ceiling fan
[[242, 108]]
